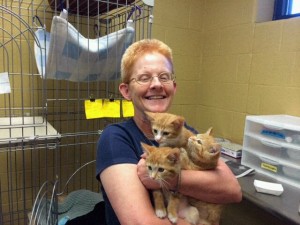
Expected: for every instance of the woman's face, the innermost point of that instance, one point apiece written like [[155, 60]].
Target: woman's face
[[153, 96]]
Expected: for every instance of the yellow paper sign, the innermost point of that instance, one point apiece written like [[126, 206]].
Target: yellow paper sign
[[92, 108], [127, 108], [110, 108], [101, 108]]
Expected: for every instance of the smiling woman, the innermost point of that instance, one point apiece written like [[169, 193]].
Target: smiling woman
[[148, 81]]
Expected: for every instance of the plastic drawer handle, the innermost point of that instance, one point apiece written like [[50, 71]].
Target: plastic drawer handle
[[269, 161], [269, 144], [272, 127]]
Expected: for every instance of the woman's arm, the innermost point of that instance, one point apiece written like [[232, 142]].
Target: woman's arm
[[128, 196], [215, 186]]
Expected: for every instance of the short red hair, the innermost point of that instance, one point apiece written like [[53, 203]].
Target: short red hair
[[138, 49]]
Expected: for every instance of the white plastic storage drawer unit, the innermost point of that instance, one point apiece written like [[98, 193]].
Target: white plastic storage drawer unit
[[272, 146]]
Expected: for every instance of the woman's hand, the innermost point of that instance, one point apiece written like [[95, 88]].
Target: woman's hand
[[144, 176]]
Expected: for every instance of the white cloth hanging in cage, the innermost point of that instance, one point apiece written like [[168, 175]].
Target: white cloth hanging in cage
[[64, 54]]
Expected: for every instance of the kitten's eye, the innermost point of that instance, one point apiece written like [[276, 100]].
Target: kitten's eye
[[149, 168], [165, 133], [155, 131], [199, 141], [161, 169]]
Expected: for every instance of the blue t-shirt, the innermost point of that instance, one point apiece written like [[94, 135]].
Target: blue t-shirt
[[119, 143]]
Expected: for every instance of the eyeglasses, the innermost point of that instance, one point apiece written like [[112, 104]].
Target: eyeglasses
[[164, 78]]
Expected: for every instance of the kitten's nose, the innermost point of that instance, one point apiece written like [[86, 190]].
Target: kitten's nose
[[153, 175], [157, 139]]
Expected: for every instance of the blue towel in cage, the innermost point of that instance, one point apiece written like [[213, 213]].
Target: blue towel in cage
[[64, 54], [76, 204]]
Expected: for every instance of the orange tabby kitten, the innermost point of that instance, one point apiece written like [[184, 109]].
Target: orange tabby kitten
[[164, 163], [204, 153], [168, 129], [200, 152]]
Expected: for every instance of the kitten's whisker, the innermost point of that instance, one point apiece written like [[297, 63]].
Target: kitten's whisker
[[164, 184]]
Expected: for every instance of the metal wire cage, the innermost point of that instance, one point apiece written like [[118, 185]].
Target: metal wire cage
[[47, 146]]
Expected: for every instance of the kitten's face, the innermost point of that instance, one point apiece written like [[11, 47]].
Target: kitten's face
[[162, 163], [203, 148], [166, 127]]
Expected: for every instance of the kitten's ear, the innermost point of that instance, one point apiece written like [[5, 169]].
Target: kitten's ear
[[174, 156], [147, 148], [216, 148], [179, 122], [210, 131]]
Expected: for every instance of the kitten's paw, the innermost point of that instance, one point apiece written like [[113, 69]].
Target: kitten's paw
[[192, 215], [161, 213], [172, 218]]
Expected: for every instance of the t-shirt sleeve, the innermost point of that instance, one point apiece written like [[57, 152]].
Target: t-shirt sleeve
[[115, 146]]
